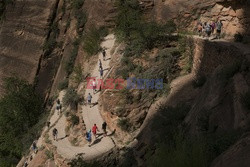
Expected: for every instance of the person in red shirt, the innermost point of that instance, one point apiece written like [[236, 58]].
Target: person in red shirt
[[94, 129]]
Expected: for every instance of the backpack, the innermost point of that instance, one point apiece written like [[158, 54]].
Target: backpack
[[208, 28]]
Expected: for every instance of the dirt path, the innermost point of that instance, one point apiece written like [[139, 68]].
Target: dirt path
[[91, 116]]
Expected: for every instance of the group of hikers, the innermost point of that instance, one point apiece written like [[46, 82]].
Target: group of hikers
[[88, 134], [89, 102], [207, 29], [94, 131]]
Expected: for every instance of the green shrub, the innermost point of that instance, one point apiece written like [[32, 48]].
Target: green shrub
[[186, 47], [51, 43], [46, 139], [74, 119], [81, 18], [74, 142], [139, 34], [67, 114], [166, 68], [69, 67], [126, 95], [128, 19], [92, 40], [20, 109], [49, 154], [124, 124], [49, 46], [71, 98], [64, 84], [120, 111], [77, 74], [77, 4], [123, 72]]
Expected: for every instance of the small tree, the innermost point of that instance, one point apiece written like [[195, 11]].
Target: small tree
[[74, 119], [71, 98]]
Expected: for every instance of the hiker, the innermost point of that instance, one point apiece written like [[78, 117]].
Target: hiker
[[100, 64], [104, 127], [213, 25], [89, 98], [101, 73], [88, 137], [58, 106], [218, 29], [208, 30], [55, 132], [199, 28], [48, 124], [94, 86], [31, 157], [26, 163], [104, 54], [94, 129], [204, 29], [34, 147]]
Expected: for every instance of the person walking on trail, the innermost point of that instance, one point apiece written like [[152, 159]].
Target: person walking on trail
[[218, 29], [213, 25], [199, 28], [94, 86], [88, 137], [208, 29], [26, 163], [104, 54], [100, 64], [89, 98], [104, 128], [94, 129], [48, 124], [34, 147], [204, 29], [101, 73], [58, 106], [55, 133]]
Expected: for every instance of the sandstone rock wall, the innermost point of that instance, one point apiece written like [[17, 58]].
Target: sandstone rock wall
[[21, 38], [237, 155], [235, 14], [219, 105], [208, 55]]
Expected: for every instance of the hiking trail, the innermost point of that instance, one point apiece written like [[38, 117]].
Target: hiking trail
[[91, 116]]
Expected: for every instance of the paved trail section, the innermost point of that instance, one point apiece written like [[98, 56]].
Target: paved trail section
[[91, 116]]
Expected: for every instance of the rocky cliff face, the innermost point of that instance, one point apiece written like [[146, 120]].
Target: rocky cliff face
[[233, 13], [237, 155], [21, 38], [226, 66]]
